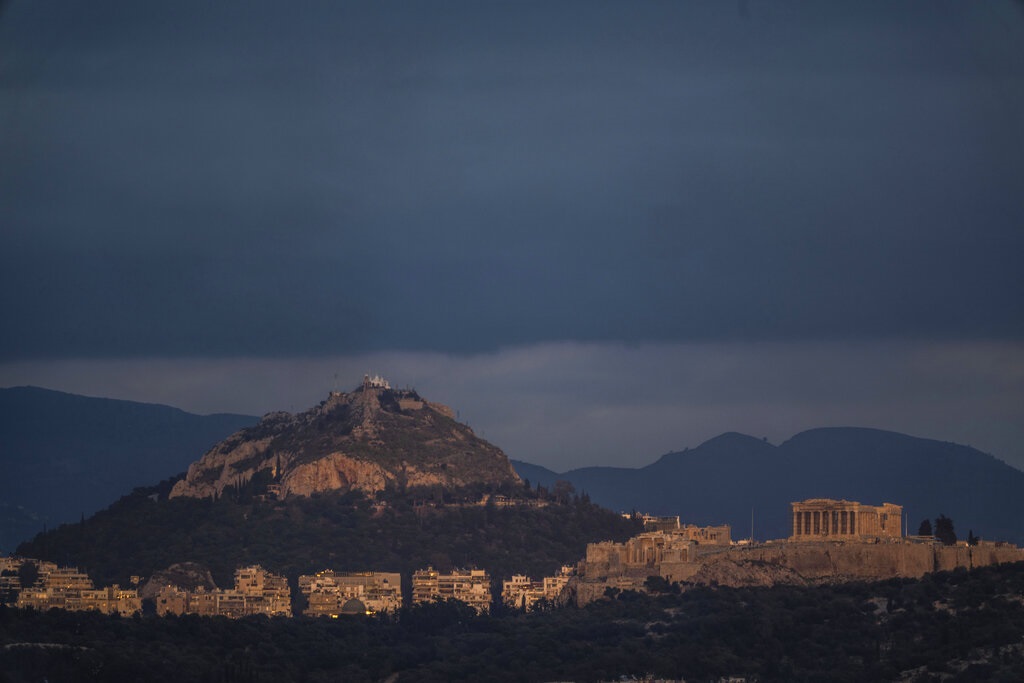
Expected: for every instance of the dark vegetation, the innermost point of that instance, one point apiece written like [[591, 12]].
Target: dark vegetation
[[944, 530], [962, 626], [345, 532]]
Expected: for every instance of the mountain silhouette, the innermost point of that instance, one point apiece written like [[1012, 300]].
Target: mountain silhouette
[[64, 456], [748, 482]]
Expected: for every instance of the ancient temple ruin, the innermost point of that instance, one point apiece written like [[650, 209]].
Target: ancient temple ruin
[[822, 519]]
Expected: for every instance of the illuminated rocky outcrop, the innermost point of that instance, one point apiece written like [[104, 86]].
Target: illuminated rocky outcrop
[[369, 440]]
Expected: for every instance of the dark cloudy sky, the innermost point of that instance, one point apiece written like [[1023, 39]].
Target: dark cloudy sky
[[601, 231]]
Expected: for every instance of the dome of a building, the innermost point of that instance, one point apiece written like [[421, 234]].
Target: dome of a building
[[353, 606]]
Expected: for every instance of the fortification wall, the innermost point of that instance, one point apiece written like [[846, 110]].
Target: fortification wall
[[605, 559], [827, 562], [794, 563]]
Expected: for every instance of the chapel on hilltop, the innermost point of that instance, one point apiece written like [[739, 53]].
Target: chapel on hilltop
[[375, 382]]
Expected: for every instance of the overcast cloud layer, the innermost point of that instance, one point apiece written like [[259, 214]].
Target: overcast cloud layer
[[219, 179], [762, 209]]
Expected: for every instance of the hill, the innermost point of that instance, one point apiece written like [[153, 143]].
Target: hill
[[64, 456], [375, 479], [373, 439], [732, 478], [145, 532]]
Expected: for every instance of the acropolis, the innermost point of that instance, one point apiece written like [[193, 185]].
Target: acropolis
[[831, 541]]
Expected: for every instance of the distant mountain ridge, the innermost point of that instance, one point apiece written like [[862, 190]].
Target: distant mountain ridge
[[733, 478], [65, 455]]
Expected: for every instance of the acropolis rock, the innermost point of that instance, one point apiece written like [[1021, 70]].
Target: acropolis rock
[[827, 547]]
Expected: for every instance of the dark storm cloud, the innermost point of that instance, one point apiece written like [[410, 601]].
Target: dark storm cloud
[[258, 179]]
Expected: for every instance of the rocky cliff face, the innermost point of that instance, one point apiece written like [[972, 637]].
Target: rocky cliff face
[[830, 562], [368, 440], [801, 563]]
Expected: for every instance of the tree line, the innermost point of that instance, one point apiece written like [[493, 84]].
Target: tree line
[[944, 531]]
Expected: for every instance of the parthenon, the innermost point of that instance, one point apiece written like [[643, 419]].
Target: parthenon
[[826, 519]]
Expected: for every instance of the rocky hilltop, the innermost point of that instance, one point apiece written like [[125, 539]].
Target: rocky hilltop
[[371, 439]]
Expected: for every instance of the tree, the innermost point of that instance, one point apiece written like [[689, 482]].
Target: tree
[[971, 538], [925, 529], [564, 491], [659, 584], [944, 530], [28, 574]]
